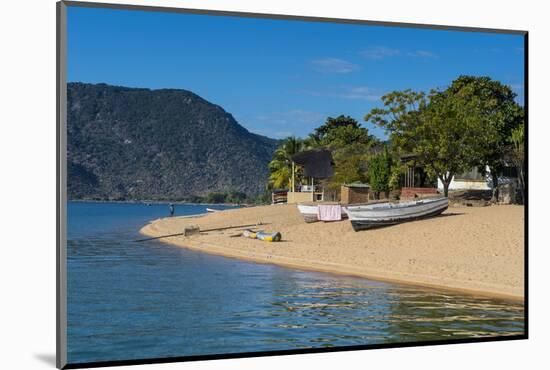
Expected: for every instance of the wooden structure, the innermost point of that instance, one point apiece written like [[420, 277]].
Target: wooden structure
[[279, 196], [294, 197], [409, 177], [304, 193], [317, 164], [413, 192], [413, 180], [354, 193]]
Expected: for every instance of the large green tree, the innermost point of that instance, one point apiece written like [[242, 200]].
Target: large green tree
[[439, 130], [334, 123], [468, 124], [493, 105]]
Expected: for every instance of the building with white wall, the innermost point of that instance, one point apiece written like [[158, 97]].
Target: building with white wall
[[474, 180]]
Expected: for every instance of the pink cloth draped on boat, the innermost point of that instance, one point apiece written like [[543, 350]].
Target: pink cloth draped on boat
[[329, 212]]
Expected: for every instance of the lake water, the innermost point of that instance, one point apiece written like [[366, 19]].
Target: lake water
[[129, 300]]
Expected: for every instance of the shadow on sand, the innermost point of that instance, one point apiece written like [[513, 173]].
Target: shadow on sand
[[449, 214]]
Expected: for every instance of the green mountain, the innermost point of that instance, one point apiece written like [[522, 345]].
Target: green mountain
[[129, 143]]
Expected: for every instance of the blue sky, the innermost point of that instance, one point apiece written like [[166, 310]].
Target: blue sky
[[279, 77]]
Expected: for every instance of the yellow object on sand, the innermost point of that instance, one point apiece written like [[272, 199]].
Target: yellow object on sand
[[266, 237]]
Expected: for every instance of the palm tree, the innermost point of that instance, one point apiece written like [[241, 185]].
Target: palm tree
[[280, 167]]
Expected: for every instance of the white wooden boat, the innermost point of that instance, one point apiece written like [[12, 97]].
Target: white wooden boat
[[212, 210], [310, 211], [386, 214]]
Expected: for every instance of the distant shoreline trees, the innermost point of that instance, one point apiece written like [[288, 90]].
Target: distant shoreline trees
[[349, 142], [467, 125], [473, 123]]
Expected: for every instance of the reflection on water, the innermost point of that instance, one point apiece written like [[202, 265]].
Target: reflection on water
[[131, 300]]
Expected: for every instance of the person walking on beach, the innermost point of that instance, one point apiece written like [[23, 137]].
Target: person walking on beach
[[171, 208]]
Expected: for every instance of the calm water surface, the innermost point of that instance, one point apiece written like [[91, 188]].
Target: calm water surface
[[130, 300]]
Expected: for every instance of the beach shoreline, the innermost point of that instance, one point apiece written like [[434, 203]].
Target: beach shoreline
[[473, 250]]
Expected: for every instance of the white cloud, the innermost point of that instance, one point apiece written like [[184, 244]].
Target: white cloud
[[334, 65], [361, 92], [422, 54], [348, 92], [381, 52]]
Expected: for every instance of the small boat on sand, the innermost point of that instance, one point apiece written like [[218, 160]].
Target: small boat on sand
[[213, 210], [385, 214], [310, 212]]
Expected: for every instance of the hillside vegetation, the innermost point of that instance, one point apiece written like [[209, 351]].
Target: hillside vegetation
[[130, 144]]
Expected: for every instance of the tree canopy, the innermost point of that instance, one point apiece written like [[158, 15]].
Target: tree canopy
[[380, 172], [349, 143], [474, 122], [449, 131], [351, 146], [493, 104], [334, 123]]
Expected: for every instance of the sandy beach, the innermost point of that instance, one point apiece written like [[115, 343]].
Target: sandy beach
[[479, 250]]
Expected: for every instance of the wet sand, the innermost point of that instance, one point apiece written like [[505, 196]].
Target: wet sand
[[479, 250]]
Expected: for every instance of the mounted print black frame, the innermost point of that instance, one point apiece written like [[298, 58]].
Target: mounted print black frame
[[63, 198]]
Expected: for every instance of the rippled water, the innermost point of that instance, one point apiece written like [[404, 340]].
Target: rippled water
[[130, 300]]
